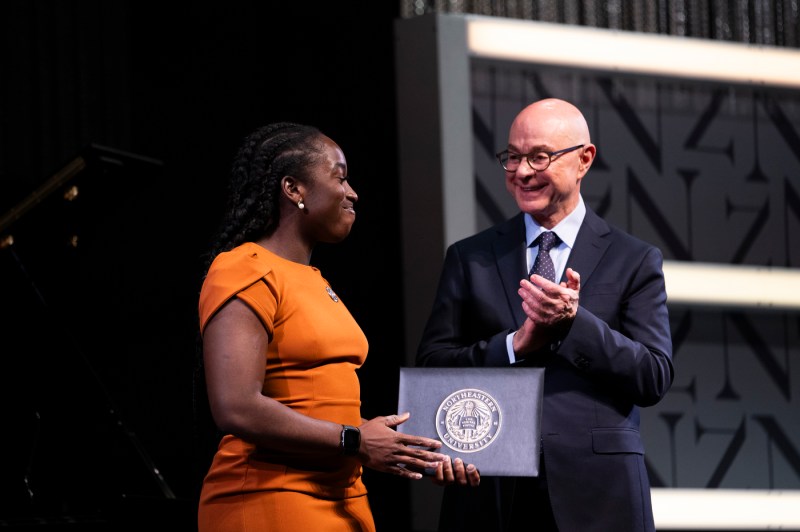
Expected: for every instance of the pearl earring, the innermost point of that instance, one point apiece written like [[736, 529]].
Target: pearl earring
[[301, 205]]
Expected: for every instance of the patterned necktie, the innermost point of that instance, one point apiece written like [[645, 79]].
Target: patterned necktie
[[543, 265]]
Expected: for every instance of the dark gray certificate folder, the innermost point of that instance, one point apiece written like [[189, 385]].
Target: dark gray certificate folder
[[490, 417]]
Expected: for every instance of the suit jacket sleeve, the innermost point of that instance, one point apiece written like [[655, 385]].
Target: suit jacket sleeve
[[621, 331], [467, 326]]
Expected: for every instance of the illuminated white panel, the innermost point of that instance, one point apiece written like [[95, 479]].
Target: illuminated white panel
[[697, 283], [726, 509], [631, 52]]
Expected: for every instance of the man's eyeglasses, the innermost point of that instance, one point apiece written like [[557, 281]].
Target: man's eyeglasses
[[538, 161]]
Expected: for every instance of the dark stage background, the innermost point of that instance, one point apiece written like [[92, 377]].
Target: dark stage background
[[141, 107]]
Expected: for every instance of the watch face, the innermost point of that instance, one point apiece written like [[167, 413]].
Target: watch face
[[351, 440]]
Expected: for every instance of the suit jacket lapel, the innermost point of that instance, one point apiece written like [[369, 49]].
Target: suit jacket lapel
[[509, 250], [590, 245]]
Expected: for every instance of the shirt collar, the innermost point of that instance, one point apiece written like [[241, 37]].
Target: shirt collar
[[567, 229]]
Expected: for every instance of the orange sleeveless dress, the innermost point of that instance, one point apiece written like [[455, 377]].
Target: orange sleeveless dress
[[314, 350]]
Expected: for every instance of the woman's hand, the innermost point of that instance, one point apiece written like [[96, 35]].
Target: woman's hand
[[387, 450], [456, 471]]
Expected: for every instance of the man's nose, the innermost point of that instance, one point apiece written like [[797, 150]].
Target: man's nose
[[524, 169]]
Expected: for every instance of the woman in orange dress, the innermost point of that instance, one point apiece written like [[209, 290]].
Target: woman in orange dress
[[281, 350]]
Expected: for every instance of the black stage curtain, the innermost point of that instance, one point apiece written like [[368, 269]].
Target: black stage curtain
[[98, 304]]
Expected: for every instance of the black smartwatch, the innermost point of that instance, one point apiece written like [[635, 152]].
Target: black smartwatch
[[351, 440]]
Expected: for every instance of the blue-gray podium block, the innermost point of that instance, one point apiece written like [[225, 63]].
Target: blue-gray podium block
[[490, 417]]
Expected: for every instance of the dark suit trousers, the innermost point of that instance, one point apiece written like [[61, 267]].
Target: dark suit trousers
[[531, 510], [500, 504]]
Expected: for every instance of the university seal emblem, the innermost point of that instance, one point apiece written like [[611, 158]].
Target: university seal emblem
[[468, 420]]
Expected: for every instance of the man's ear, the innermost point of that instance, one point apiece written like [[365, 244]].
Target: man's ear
[[587, 158]]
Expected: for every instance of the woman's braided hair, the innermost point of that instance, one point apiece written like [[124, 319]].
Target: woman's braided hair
[[265, 156]]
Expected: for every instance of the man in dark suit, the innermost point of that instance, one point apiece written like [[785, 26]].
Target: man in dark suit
[[601, 333]]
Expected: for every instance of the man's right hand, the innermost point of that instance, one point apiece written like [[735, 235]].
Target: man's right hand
[[547, 306]]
